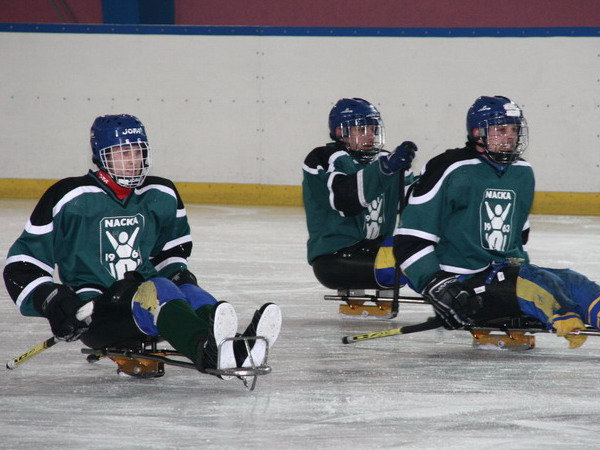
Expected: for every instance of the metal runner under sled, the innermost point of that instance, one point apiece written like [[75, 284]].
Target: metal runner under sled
[[378, 305], [516, 333], [143, 359], [506, 340]]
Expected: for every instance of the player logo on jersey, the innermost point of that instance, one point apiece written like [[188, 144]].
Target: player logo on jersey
[[374, 218], [119, 244], [496, 213]]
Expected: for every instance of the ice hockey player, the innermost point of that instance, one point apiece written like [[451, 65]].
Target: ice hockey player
[[120, 239], [464, 230], [351, 192]]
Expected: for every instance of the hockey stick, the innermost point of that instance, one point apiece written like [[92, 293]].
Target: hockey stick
[[434, 322], [396, 296], [13, 363], [84, 313], [429, 324]]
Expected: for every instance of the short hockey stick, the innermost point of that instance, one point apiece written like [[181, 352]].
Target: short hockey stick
[[433, 323], [83, 314], [13, 363], [429, 324]]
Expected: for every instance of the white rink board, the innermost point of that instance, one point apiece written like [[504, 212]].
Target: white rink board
[[247, 109]]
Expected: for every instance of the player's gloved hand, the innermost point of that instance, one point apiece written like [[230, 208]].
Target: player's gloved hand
[[453, 302], [184, 277], [565, 323], [123, 290], [62, 309], [400, 159]]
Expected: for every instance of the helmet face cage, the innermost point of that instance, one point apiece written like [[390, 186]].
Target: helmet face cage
[[502, 130], [357, 124], [128, 163], [364, 137], [120, 148], [503, 139]]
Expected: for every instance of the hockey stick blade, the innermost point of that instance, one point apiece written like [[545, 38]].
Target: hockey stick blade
[[429, 324]]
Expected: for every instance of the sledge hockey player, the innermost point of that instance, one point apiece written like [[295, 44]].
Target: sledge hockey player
[[121, 239], [464, 230], [351, 190]]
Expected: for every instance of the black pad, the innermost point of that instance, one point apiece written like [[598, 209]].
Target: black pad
[[350, 268]]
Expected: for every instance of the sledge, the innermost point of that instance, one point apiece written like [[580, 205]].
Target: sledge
[[146, 359], [514, 333], [369, 303]]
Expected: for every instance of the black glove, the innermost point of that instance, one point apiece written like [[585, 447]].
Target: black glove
[[453, 302], [60, 308], [121, 291], [184, 277], [400, 159]]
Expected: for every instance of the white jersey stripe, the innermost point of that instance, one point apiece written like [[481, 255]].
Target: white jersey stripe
[[174, 260], [332, 159], [331, 195], [31, 260], [39, 229], [158, 187], [361, 189], [417, 233], [30, 287], [461, 270], [176, 242], [311, 170], [418, 200], [75, 193], [414, 258]]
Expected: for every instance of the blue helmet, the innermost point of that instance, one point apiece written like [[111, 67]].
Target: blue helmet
[[122, 138], [357, 124], [493, 113]]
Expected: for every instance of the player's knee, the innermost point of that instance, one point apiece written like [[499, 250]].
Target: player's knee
[[542, 277], [166, 289], [149, 299], [196, 296]]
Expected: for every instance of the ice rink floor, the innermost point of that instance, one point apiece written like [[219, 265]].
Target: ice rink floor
[[420, 391]]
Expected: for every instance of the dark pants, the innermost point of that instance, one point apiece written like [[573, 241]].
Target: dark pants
[[499, 297], [349, 268], [112, 322]]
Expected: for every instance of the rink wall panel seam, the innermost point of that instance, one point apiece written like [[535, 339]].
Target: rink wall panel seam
[[564, 203]]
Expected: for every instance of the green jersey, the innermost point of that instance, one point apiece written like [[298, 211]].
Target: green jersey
[[345, 201], [80, 227], [464, 214]]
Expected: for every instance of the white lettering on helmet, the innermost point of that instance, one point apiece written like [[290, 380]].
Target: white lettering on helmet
[[132, 131], [512, 110]]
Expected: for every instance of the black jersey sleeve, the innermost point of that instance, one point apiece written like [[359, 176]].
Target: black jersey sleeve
[[335, 178]]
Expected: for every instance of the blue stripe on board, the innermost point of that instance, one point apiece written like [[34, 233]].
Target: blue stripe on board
[[299, 31]]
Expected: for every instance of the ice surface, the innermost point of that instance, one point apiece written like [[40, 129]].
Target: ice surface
[[419, 391]]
